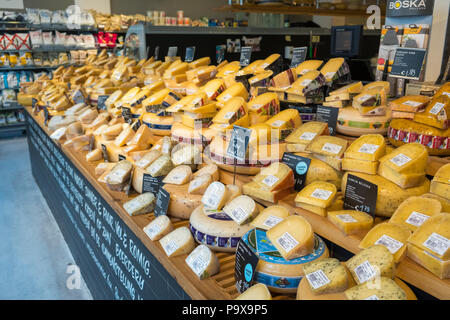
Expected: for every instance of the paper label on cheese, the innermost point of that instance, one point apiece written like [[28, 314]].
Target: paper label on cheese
[[437, 243], [390, 243], [317, 279], [227, 97], [437, 108], [331, 148], [372, 297], [304, 71], [229, 115], [412, 103], [165, 148], [170, 247], [400, 160], [329, 75], [238, 214], [287, 242], [321, 194], [346, 218], [270, 180], [364, 271], [153, 230], [417, 218], [278, 123], [364, 98], [308, 136], [368, 148], [157, 147], [197, 263], [272, 221], [305, 82]]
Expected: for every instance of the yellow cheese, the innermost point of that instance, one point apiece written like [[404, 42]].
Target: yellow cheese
[[429, 261], [236, 90], [440, 189], [351, 122], [285, 122], [293, 237], [250, 69], [305, 134], [378, 84], [444, 202], [148, 159], [270, 217], [284, 79], [200, 62], [409, 158], [307, 66], [210, 169], [436, 114], [158, 228], [214, 88], [312, 208], [264, 105], [156, 98], [269, 61], [124, 137], [160, 125], [178, 175], [326, 276], [371, 102], [310, 81], [261, 78], [331, 68], [391, 235], [319, 170], [328, 149], [443, 174], [379, 289], [155, 86], [275, 177], [199, 184], [229, 68], [363, 166], [177, 69], [260, 135], [234, 109], [351, 221], [258, 291], [241, 209], [407, 180], [94, 155], [410, 103], [111, 132], [142, 137], [433, 236], [203, 262], [178, 242], [370, 147], [318, 193], [352, 88], [255, 191], [390, 196]]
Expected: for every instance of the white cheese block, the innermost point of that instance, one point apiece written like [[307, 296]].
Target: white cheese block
[[257, 292], [94, 155], [200, 184], [234, 192], [215, 196], [179, 175], [119, 175], [203, 262], [160, 167], [188, 154], [211, 169], [142, 204], [241, 209], [178, 242], [59, 134], [148, 159], [103, 167], [158, 228]]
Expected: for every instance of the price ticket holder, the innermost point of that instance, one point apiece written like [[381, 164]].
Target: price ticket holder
[[237, 149]]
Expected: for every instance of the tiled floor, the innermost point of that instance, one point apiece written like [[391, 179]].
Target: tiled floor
[[34, 257]]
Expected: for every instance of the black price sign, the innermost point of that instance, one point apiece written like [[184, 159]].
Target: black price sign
[[245, 266], [101, 102], [126, 114], [328, 115], [105, 154], [130, 180], [156, 55], [172, 52], [237, 149], [46, 116], [408, 63], [91, 143], [151, 184], [121, 157], [190, 53], [300, 166], [360, 195], [246, 55], [298, 56], [78, 97], [162, 202], [136, 125]]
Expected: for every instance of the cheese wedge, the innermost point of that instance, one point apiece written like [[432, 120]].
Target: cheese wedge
[[298, 140], [142, 204], [328, 146], [277, 176], [236, 90], [215, 196], [179, 175], [269, 62], [307, 66], [233, 110], [363, 166], [94, 155], [331, 68], [371, 102], [410, 104], [265, 105], [241, 209], [178, 242], [326, 276], [148, 159], [410, 158], [284, 123], [443, 174], [124, 137], [210, 169], [187, 154], [436, 114], [256, 191], [308, 82], [103, 167], [404, 181], [141, 138], [440, 189], [318, 193], [429, 261], [270, 217], [351, 221], [258, 291], [203, 262], [119, 175], [200, 184], [381, 289], [214, 88], [293, 237], [158, 228], [378, 84], [369, 147], [160, 167], [352, 88], [234, 191], [444, 202]]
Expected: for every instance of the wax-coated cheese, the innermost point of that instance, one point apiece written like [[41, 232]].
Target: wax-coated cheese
[[275, 177], [436, 114], [256, 191], [241, 209], [119, 175], [215, 196], [351, 122], [178, 175], [307, 66], [94, 155], [178, 242], [270, 217], [284, 122], [334, 68], [433, 236], [351, 221], [318, 193], [326, 276], [264, 106], [381, 289], [410, 103], [203, 262], [391, 235], [371, 102], [414, 211], [234, 109], [429, 261], [298, 140], [390, 196], [371, 263], [369, 147], [407, 180], [328, 149], [142, 204], [158, 228], [443, 174], [409, 158], [258, 291], [352, 88], [293, 237], [236, 90], [124, 137], [440, 189], [319, 170], [363, 166], [444, 202], [377, 84], [199, 184], [161, 166], [308, 82]]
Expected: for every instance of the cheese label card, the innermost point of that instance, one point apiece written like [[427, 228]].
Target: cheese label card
[[91, 143], [101, 102], [417, 218], [240, 137], [172, 51], [33, 105], [156, 55], [162, 202], [46, 116], [390, 243], [122, 157], [151, 184], [246, 54], [105, 154], [437, 243], [360, 195], [328, 115], [317, 279], [408, 63], [190, 53], [364, 271], [298, 56], [245, 266], [78, 97], [300, 166]]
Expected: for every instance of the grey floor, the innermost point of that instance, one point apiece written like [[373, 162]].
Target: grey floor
[[34, 257]]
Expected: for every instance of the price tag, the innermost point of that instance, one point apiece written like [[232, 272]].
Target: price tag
[[101, 102], [298, 56], [246, 55], [190, 53], [121, 157], [162, 202], [33, 105], [220, 53], [156, 55], [300, 166], [78, 97], [317, 279], [136, 125], [151, 184], [172, 52], [105, 154], [364, 271], [328, 115], [245, 266], [237, 149], [46, 116], [408, 63], [360, 195], [126, 114]]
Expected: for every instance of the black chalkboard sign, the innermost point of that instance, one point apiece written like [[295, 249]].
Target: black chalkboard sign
[[122, 157], [300, 166], [360, 195], [246, 55], [190, 54], [151, 184], [328, 115], [162, 202], [245, 266], [408, 63], [298, 56], [240, 137], [101, 102]]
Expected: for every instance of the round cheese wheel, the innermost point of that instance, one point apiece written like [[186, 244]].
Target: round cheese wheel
[[181, 203], [160, 125], [185, 134], [216, 229], [278, 274], [352, 123]]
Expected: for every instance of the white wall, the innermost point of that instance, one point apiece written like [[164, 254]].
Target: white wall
[[103, 6]]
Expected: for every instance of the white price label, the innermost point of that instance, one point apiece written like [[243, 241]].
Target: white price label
[[165, 148], [390, 243], [197, 263], [305, 82], [227, 97], [317, 279], [346, 218], [400, 160], [238, 214], [331, 148], [278, 123], [437, 243], [368, 148], [417, 218], [152, 230], [321, 194], [308, 136], [364, 271], [372, 297], [437, 108], [272, 221], [287, 242], [364, 98], [229, 115], [329, 75], [170, 247], [270, 180], [414, 104]]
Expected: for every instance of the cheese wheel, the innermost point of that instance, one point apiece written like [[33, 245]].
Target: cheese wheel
[[181, 203], [256, 292], [159, 125], [351, 122]]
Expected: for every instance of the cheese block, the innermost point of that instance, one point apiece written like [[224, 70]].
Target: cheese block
[[307, 66], [391, 235], [119, 175], [210, 169], [257, 192], [371, 263], [319, 170], [351, 122], [216, 229], [414, 211], [260, 135], [270, 217], [229, 68], [283, 80], [363, 166], [94, 155], [293, 237], [103, 167], [154, 86], [312, 208], [59, 134], [241, 209], [407, 180], [250, 69], [409, 158], [178, 175], [215, 196], [124, 137], [261, 79], [213, 88], [200, 62], [336, 104], [371, 102], [236, 90], [284, 122], [334, 68], [352, 88], [307, 83], [234, 191], [351, 221], [233, 110], [436, 114], [142, 204], [390, 196], [177, 69], [111, 132], [370, 147], [440, 189], [433, 236], [75, 109], [159, 125], [161, 166], [200, 184], [280, 275], [378, 84], [443, 174], [410, 103], [88, 116], [429, 261], [382, 289], [158, 228], [326, 148], [148, 159], [186, 154], [178, 242], [181, 203], [258, 291], [326, 276], [269, 63], [275, 177], [203, 262], [304, 135], [444, 202], [264, 106]]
